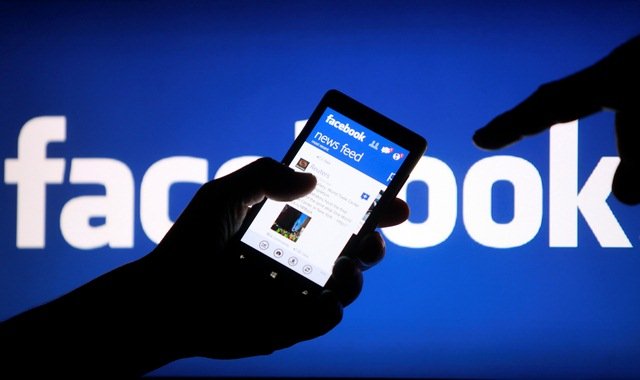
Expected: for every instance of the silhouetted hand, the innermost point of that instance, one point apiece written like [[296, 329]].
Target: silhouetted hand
[[612, 83], [188, 297], [237, 314]]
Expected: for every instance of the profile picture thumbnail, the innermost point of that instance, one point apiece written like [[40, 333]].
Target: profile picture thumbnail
[[302, 164], [290, 223]]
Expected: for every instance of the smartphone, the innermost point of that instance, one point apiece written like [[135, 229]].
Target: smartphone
[[361, 159]]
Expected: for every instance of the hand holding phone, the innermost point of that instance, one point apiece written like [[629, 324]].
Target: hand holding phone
[[186, 298], [361, 159]]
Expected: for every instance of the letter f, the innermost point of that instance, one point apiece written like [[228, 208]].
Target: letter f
[[31, 171]]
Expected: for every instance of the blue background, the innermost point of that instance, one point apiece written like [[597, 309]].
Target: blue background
[[141, 81]]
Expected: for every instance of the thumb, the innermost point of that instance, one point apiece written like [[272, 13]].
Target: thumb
[[266, 177]]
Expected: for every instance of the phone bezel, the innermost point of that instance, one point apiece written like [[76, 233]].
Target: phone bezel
[[415, 144]]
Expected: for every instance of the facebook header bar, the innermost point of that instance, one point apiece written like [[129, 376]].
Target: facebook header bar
[[357, 146]]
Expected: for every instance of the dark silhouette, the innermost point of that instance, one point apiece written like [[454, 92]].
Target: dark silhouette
[[611, 83], [187, 297]]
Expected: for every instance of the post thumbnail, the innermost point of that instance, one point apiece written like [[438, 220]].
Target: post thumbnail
[[290, 223]]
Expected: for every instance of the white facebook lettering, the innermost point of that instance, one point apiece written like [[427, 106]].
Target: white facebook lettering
[[527, 202], [564, 204], [32, 171], [154, 191], [116, 206], [565, 200]]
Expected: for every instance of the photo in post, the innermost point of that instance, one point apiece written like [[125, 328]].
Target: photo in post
[[290, 223]]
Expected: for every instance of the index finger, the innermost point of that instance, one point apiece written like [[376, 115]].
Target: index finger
[[396, 213], [564, 100]]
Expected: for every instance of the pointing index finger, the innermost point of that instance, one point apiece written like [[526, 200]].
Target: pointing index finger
[[564, 100]]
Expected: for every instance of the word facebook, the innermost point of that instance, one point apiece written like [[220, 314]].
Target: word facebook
[[33, 172], [360, 136]]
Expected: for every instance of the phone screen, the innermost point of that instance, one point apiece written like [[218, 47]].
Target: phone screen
[[353, 166]]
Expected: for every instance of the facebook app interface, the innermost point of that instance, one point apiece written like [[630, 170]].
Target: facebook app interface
[[353, 166]]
